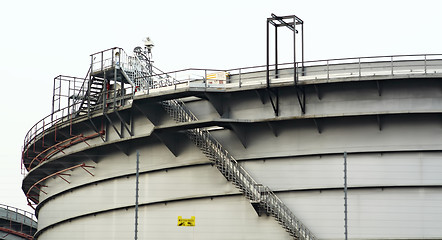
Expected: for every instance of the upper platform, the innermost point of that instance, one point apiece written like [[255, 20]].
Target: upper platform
[[116, 80]]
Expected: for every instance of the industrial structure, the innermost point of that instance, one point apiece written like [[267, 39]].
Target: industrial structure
[[16, 224], [248, 153]]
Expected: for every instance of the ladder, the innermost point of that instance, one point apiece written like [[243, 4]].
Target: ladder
[[259, 195]]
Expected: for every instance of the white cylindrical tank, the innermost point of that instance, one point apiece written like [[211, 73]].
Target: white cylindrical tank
[[82, 167]]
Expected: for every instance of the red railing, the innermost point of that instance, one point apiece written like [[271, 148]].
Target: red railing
[[31, 198], [52, 150]]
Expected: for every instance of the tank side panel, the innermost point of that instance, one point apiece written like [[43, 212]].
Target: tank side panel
[[218, 218]]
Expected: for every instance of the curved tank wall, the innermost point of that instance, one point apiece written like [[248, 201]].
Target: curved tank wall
[[16, 224], [389, 125]]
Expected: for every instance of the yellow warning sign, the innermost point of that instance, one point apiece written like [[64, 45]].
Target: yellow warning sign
[[186, 222]]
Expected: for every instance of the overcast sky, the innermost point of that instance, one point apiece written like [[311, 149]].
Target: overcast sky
[[43, 39]]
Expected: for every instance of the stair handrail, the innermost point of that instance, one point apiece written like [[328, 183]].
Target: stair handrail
[[154, 73], [254, 191], [128, 78], [82, 97], [142, 73]]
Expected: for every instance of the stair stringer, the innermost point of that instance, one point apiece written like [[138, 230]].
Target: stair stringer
[[92, 97], [260, 196]]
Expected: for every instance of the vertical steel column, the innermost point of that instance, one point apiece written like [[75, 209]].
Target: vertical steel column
[[205, 79], [102, 61], [53, 100], [136, 194], [345, 197], [295, 73], [88, 95], [267, 56], [392, 72], [73, 94], [302, 49], [276, 52], [115, 88]]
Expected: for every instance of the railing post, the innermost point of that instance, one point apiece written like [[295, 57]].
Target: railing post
[[328, 71], [112, 58], [92, 63], [102, 61], [359, 67], [240, 77], [425, 64], [391, 66], [205, 79]]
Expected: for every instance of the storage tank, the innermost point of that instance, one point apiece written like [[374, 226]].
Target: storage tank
[[16, 224], [255, 155]]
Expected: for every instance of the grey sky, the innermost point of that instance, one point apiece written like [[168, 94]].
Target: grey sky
[[42, 39]]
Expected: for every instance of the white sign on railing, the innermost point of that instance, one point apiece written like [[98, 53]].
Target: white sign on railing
[[217, 78]]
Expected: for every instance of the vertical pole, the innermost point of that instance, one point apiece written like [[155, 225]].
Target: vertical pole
[[53, 100], [73, 93], [136, 195], [302, 43], [294, 51], [240, 77], [345, 196], [267, 56], [102, 62], [276, 52], [205, 79], [302, 49], [115, 88], [391, 66], [328, 71]]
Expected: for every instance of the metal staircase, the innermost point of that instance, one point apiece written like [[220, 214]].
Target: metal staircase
[[260, 196], [93, 95]]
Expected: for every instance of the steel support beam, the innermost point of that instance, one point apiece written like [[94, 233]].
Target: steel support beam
[[273, 128], [318, 92], [126, 123], [169, 140], [378, 85], [261, 94], [300, 94], [120, 134], [152, 111], [318, 126], [379, 120], [217, 102], [240, 132], [274, 99]]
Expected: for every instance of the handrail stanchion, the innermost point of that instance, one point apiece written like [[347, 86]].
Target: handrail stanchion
[[328, 71], [205, 79], [239, 80], [391, 66], [102, 61], [425, 64]]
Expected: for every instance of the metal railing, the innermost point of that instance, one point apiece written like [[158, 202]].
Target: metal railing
[[362, 67], [18, 215], [235, 173], [67, 114]]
